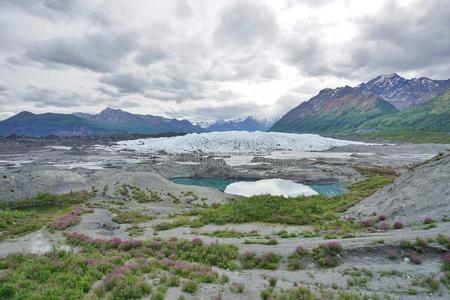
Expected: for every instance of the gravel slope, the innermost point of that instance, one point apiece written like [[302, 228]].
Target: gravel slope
[[421, 192]]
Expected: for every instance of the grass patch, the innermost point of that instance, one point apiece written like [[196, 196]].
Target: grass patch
[[135, 230], [180, 221], [401, 135], [27, 215], [15, 223], [130, 216], [45, 199], [231, 234], [268, 261]]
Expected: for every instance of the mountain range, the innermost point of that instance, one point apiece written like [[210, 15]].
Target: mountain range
[[248, 123], [111, 121], [387, 102]]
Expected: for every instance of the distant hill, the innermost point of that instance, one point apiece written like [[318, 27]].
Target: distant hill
[[122, 121], [334, 110], [386, 104], [431, 116], [27, 123], [405, 93], [240, 124], [109, 121]]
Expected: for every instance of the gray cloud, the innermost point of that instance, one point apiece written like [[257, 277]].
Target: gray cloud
[[126, 83], [224, 111], [168, 85], [101, 52], [45, 8], [43, 97], [397, 38], [149, 55], [246, 23], [404, 38]]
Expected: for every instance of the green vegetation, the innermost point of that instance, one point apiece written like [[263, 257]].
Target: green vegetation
[[114, 269], [45, 199], [237, 287], [16, 223], [428, 123], [27, 215], [354, 116], [293, 293], [358, 277], [189, 286], [300, 210], [231, 234], [213, 254], [180, 221], [433, 116], [328, 255], [349, 109], [269, 260], [402, 135], [113, 273], [135, 230], [130, 216], [261, 242], [56, 275]]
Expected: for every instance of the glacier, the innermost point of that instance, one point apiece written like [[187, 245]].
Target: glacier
[[237, 142]]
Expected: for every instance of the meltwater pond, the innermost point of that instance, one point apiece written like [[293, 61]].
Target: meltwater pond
[[289, 187]]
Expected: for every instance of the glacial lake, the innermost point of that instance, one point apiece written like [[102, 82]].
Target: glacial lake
[[272, 186]]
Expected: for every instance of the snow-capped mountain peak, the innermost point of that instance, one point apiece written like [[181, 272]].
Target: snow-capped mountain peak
[[404, 93], [247, 123]]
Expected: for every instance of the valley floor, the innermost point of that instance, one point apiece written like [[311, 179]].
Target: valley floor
[[119, 229]]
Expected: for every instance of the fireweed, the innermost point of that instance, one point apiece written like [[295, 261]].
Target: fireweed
[[215, 254], [68, 220]]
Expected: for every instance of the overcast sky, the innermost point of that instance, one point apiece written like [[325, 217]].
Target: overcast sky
[[204, 59]]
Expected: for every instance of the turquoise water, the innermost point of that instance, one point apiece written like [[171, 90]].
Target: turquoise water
[[332, 189]]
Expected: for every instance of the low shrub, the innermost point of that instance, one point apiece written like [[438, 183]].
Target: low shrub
[[383, 226], [328, 254], [231, 234], [189, 286], [269, 260], [45, 199], [413, 257], [428, 220], [272, 281], [398, 225], [130, 216], [446, 262], [443, 240], [70, 219], [392, 255], [237, 287]]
